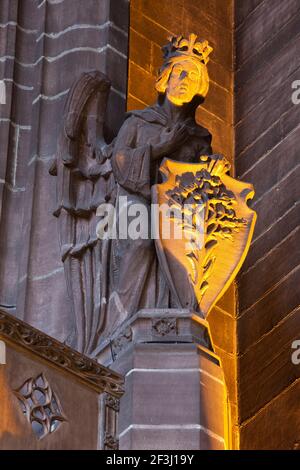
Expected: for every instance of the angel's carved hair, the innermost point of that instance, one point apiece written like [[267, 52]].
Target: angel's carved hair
[[166, 70]]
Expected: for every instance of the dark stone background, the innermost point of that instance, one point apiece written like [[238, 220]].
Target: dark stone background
[[44, 46], [267, 142]]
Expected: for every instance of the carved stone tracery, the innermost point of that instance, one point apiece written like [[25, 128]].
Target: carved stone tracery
[[93, 374], [40, 405]]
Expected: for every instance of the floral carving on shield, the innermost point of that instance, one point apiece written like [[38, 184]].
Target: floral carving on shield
[[216, 224]]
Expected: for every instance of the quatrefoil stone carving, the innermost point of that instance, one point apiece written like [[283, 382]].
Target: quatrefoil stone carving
[[40, 405]]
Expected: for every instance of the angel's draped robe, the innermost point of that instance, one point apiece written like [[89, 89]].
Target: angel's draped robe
[[136, 278]]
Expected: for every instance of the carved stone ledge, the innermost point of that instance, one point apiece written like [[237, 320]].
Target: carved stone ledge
[[155, 326], [84, 369]]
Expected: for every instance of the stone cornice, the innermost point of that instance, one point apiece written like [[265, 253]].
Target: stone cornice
[[86, 370], [156, 326]]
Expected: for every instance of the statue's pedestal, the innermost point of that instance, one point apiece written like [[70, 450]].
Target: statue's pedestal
[[174, 390]]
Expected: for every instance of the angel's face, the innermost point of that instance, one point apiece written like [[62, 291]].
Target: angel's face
[[183, 83]]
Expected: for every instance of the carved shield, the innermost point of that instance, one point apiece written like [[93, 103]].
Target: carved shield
[[204, 231]]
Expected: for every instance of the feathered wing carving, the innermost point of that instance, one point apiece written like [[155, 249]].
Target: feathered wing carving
[[84, 181]]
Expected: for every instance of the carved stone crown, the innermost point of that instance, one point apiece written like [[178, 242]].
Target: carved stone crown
[[180, 46]]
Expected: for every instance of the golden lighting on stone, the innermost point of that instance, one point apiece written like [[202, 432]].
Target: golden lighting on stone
[[184, 73], [10, 424], [184, 82], [206, 265]]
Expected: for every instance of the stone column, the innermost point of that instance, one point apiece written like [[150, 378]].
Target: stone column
[[174, 389]]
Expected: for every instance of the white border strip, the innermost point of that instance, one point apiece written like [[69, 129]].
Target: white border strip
[[173, 371], [169, 427]]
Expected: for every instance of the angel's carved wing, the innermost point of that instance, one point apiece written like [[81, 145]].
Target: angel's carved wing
[[84, 180]]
